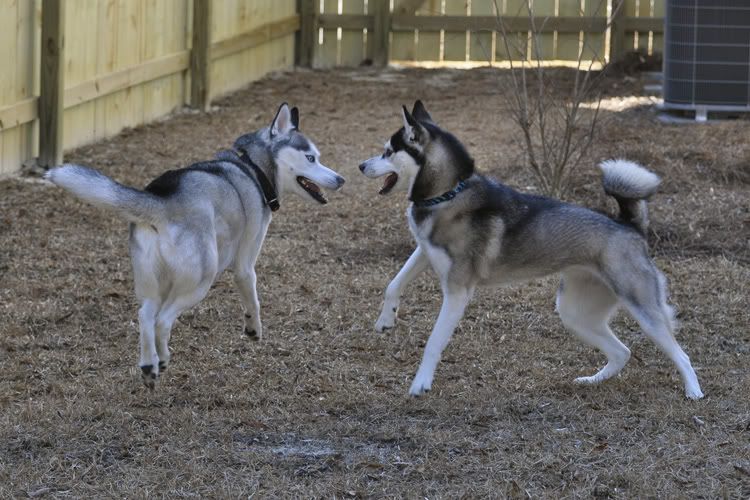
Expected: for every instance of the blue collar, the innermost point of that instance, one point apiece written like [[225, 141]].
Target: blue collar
[[447, 196]]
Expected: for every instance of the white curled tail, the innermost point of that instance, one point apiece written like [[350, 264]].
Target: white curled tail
[[96, 188], [630, 184]]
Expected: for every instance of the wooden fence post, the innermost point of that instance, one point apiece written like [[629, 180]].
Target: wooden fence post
[[381, 29], [308, 32], [52, 85], [617, 31], [200, 56]]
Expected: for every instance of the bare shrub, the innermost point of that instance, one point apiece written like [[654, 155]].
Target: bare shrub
[[557, 130]]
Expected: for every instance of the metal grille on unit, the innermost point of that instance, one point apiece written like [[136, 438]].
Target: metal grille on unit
[[707, 56]]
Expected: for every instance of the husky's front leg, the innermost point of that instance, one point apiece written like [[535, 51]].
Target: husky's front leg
[[245, 279], [454, 304], [416, 263]]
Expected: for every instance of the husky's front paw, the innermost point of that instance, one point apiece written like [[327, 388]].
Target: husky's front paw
[[253, 328], [149, 374], [420, 386], [694, 393], [387, 320]]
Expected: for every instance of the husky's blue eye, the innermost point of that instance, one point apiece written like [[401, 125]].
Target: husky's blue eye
[[310, 158]]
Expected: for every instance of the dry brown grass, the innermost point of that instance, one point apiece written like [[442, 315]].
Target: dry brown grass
[[319, 408]]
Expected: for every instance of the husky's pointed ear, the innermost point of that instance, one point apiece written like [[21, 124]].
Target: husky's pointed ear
[[413, 130], [282, 123], [420, 112], [295, 118]]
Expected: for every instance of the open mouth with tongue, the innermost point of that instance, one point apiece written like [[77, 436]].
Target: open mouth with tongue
[[312, 189], [390, 181]]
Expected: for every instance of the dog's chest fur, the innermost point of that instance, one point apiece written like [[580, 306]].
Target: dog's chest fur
[[456, 250]]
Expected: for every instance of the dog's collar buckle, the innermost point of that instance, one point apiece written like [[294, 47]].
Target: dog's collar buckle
[[447, 196]]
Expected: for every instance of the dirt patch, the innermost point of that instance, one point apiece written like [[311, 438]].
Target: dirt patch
[[319, 408]]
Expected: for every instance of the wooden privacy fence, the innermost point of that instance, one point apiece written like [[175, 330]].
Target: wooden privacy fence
[[348, 32], [74, 71]]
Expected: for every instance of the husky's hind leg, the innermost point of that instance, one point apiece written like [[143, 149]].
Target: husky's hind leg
[[643, 290], [175, 304], [149, 357], [585, 305], [647, 303], [416, 263]]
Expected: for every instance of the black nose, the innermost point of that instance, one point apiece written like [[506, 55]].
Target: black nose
[[362, 168], [340, 182]]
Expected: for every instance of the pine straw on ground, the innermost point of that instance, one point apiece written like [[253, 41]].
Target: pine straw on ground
[[319, 407]]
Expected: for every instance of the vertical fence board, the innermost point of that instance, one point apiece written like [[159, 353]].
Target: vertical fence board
[[81, 65], [428, 42], [643, 10], [105, 59], [274, 48], [11, 154], [630, 9], [568, 44], [546, 41], [617, 40], [167, 30], [480, 48], [233, 17], [327, 55], [403, 46], [282, 48], [517, 42], [200, 54], [51, 105], [129, 54], [378, 41], [352, 41], [454, 42], [27, 44], [659, 11], [9, 135], [307, 37], [593, 43]]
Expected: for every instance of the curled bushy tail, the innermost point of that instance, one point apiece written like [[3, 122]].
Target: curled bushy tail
[[98, 189], [630, 184]]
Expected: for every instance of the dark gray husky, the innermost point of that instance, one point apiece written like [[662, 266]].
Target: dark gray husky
[[474, 231], [188, 225]]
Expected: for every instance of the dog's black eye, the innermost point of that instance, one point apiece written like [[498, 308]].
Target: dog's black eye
[[310, 158]]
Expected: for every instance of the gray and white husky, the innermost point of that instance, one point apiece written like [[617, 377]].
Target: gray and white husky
[[189, 225], [474, 231]]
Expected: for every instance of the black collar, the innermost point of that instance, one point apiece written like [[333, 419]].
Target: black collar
[[447, 196], [269, 191]]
